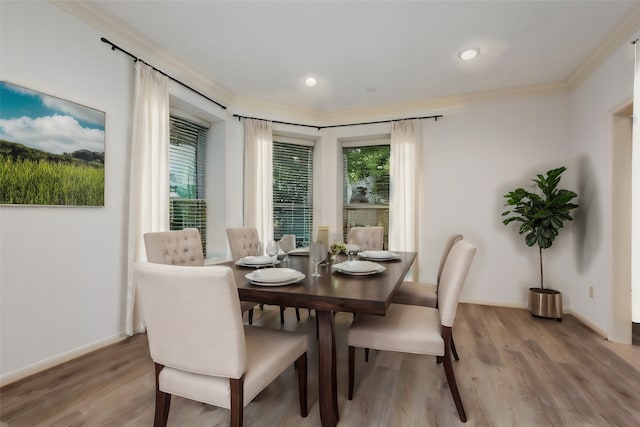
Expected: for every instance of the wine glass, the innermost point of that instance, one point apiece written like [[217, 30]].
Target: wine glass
[[318, 254], [287, 243], [272, 251]]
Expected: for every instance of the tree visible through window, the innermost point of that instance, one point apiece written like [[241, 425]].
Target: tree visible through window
[[292, 191], [187, 154], [366, 187]]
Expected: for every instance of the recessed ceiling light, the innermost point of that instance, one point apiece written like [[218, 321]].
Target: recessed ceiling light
[[468, 54], [310, 81]]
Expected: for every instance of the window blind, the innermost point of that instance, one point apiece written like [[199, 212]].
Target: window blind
[[187, 156], [293, 191]]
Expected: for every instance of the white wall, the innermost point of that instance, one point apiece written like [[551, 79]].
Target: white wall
[[62, 269], [592, 106]]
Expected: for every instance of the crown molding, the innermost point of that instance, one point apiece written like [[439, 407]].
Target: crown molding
[[621, 34], [134, 42], [138, 45]]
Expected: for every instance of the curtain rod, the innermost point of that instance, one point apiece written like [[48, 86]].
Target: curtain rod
[[115, 47], [435, 118]]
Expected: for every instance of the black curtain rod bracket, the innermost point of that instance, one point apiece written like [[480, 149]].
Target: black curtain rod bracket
[[136, 59]]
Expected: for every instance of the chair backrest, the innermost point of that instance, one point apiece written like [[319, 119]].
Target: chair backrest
[[452, 281], [243, 241], [451, 240], [179, 247], [193, 318], [367, 238]]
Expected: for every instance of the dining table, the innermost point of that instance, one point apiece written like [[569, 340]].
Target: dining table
[[332, 292]]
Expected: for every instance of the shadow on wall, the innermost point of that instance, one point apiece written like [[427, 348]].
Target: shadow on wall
[[588, 218]]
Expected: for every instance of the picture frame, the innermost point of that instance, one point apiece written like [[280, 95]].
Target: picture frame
[[51, 150]]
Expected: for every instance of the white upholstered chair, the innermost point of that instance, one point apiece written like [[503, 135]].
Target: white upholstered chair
[[367, 238], [244, 241], [417, 329], [426, 294], [181, 247], [200, 347]]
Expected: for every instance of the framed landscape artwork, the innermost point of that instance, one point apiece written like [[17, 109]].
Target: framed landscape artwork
[[51, 150]]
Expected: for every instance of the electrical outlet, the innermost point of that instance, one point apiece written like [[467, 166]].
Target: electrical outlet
[[590, 291]]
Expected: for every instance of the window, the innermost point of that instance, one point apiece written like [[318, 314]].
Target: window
[[292, 190], [187, 154], [366, 187]]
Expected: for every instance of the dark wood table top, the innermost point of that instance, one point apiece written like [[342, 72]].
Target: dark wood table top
[[333, 291]]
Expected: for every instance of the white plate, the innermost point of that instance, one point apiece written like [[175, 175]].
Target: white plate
[[379, 255], [300, 251], [295, 279], [272, 275], [359, 268], [255, 261]]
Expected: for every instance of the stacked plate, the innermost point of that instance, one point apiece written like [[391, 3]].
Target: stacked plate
[[300, 251], [256, 261], [359, 268], [379, 255], [274, 276]]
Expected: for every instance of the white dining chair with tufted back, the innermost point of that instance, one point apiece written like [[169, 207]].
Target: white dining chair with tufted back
[[245, 241], [181, 247], [200, 347], [367, 238], [417, 329], [426, 294]]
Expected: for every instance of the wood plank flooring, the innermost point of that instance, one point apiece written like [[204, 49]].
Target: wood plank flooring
[[514, 370]]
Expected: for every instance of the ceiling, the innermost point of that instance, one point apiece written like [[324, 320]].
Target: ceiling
[[371, 54]]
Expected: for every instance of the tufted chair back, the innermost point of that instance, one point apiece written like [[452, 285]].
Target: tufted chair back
[[452, 280], [193, 318], [368, 238], [243, 241], [178, 247]]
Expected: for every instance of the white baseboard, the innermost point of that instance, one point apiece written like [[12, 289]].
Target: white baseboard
[[586, 322], [21, 373]]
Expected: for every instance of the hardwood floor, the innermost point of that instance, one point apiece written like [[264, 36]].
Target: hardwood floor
[[514, 370]]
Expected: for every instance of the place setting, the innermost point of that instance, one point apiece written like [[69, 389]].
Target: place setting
[[379, 255], [358, 268], [257, 261], [274, 276]]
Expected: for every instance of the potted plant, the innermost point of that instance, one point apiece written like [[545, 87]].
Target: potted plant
[[541, 217]]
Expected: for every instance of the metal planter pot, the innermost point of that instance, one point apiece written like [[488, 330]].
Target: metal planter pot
[[545, 303]]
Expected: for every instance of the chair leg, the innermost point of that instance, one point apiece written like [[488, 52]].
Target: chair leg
[[261, 306], [281, 315], [453, 348], [237, 397], [366, 355], [352, 368], [448, 370], [163, 402], [301, 367], [250, 316], [297, 314]]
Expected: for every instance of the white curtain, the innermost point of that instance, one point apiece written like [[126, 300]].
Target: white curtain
[[258, 177], [149, 175], [405, 185]]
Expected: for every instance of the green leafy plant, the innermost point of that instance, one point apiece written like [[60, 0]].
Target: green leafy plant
[[541, 215]]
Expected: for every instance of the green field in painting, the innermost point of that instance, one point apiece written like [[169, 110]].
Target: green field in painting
[[25, 180]]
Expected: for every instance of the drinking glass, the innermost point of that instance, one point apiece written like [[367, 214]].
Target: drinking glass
[[272, 251], [287, 243], [318, 254]]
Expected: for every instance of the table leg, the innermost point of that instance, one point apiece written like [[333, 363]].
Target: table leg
[[327, 381]]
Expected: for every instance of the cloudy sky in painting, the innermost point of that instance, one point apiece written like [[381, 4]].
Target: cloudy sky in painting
[[48, 123]]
